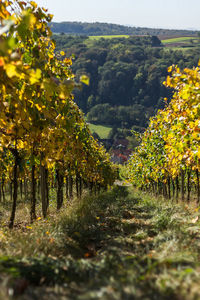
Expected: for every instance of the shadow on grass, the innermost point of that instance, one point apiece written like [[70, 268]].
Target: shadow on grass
[[109, 252]]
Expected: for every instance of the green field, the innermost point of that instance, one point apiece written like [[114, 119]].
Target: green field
[[185, 39], [102, 131], [97, 37]]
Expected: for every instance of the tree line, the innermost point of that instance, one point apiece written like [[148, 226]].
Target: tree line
[[97, 28]]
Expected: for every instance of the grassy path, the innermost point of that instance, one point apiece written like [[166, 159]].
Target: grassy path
[[123, 245]]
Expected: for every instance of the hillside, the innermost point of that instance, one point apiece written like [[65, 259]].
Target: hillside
[[126, 76], [79, 28]]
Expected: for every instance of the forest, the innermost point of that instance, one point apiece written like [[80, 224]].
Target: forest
[[96, 28], [126, 76]]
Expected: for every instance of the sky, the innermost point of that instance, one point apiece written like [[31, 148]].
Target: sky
[[172, 14]]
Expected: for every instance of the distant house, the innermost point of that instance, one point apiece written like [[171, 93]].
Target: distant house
[[120, 153], [120, 156]]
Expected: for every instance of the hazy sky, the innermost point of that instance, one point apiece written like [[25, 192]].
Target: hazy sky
[[178, 14]]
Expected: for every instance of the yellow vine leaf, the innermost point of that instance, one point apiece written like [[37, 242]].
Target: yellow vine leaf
[[33, 4], [35, 76], [85, 79], [11, 70]]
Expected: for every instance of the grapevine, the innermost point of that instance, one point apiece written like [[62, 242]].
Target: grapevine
[[168, 157], [42, 131]]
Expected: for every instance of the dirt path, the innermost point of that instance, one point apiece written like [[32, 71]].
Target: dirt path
[[136, 250]]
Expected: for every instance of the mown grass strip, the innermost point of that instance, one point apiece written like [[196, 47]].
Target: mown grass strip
[[97, 37], [122, 244], [179, 40], [102, 131]]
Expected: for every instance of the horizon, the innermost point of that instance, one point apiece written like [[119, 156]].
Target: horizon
[[175, 14]]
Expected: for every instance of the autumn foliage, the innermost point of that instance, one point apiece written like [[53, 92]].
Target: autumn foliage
[[168, 159], [42, 131]]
